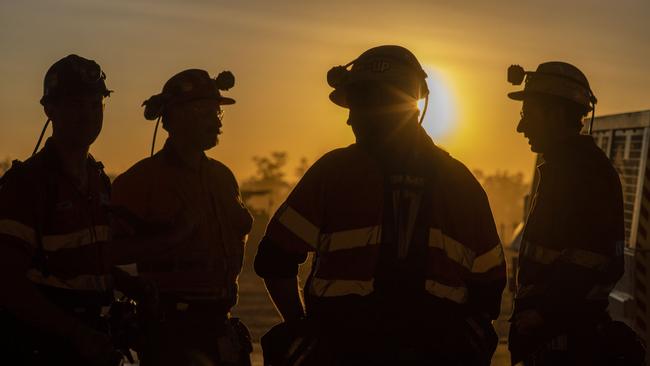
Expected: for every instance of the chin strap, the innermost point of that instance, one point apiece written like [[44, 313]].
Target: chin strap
[[155, 132], [424, 110], [593, 113], [40, 138]]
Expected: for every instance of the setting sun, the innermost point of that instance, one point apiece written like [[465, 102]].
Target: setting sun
[[442, 115]]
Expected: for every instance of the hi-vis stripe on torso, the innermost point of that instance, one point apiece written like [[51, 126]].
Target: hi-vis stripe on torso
[[370, 237], [76, 239], [464, 256], [580, 257], [327, 242], [583, 258]]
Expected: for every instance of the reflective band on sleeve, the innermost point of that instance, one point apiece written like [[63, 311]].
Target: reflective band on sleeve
[[489, 260], [327, 288], [455, 250], [77, 239], [586, 258], [580, 257], [540, 254], [349, 239], [18, 230], [299, 226], [455, 294]]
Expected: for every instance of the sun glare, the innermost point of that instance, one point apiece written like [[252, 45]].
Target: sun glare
[[441, 117]]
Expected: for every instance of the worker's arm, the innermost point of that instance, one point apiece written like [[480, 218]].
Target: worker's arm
[[23, 300], [285, 294], [99, 258], [487, 277], [292, 233], [591, 226], [279, 270]]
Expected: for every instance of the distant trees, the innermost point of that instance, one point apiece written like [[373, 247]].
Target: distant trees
[[5, 164], [506, 194], [265, 191], [270, 168], [270, 173]]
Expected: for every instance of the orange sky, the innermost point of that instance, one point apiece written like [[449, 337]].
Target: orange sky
[[281, 51]]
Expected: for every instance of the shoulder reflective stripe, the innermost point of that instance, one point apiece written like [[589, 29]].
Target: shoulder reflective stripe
[[84, 282], [299, 226], [455, 294], [349, 239], [586, 258], [491, 259], [18, 230], [326, 288], [540, 254], [77, 239], [454, 249]]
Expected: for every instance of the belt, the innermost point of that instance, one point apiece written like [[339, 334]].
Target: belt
[[219, 308]]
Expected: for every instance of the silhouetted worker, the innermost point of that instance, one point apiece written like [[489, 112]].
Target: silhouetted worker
[[408, 267], [571, 254], [197, 282], [55, 239]]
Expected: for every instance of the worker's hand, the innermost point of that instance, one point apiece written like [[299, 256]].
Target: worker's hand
[[95, 348], [528, 321]]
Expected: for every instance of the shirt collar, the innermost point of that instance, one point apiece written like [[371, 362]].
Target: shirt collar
[[53, 160], [569, 149]]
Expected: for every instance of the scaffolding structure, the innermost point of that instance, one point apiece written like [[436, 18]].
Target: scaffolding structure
[[625, 138]]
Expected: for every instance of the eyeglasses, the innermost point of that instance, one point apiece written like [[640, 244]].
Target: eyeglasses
[[207, 112]]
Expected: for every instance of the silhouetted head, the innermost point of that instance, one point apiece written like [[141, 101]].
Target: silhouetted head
[[190, 107], [555, 98], [73, 98], [381, 90]]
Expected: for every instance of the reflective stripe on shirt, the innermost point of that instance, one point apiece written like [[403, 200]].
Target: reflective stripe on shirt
[[299, 226], [456, 294], [465, 256], [349, 239], [580, 257]]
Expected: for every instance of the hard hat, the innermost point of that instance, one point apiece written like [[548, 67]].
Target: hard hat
[[555, 78], [73, 76], [188, 85], [393, 65]]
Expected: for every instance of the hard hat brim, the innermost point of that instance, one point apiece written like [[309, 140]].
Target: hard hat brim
[[518, 95], [226, 101]]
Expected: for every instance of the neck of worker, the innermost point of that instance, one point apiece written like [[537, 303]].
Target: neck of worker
[[398, 145], [190, 154], [73, 158]]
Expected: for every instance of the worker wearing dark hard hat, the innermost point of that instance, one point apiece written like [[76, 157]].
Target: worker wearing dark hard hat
[[55, 235], [571, 254], [407, 268], [198, 281]]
